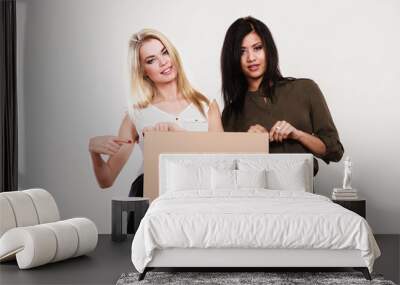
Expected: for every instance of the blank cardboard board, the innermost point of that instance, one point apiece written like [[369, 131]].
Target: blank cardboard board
[[156, 143]]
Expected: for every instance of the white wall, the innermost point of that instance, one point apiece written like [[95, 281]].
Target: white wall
[[72, 85]]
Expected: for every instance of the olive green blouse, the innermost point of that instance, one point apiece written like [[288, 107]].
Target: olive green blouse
[[299, 102]]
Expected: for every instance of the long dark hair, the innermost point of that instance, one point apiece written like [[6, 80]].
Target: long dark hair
[[234, 83]]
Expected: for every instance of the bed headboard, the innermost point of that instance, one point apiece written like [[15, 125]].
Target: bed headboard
[[236, 158], [156, 143]]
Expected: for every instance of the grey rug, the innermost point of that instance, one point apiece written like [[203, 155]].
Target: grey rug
[[270, 278]]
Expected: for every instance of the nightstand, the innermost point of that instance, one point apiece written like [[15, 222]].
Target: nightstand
[[138, 205], [358, 206]]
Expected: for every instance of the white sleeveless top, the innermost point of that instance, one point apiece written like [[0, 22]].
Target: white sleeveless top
[[189, 119]]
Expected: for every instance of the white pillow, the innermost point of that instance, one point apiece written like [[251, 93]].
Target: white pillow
[[293, 179], [280, 174], [236, 179], [186, 177], [223, 179], [251, 178]]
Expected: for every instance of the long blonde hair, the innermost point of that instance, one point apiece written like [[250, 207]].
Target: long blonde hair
[[143, 89]]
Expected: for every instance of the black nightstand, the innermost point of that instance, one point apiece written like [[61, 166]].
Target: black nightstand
[[358, 206], [137, 205]]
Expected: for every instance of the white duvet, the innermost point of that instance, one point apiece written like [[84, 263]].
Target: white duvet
[[251, 218]]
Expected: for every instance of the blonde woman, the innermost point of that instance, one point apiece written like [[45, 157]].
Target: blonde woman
[[162, 99]]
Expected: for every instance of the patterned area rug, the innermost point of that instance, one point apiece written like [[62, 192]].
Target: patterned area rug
[[269, 278]]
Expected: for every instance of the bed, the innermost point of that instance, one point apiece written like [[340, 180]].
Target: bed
[[245, 211]]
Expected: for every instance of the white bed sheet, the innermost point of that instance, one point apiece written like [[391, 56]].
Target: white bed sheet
[[250, 218]]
